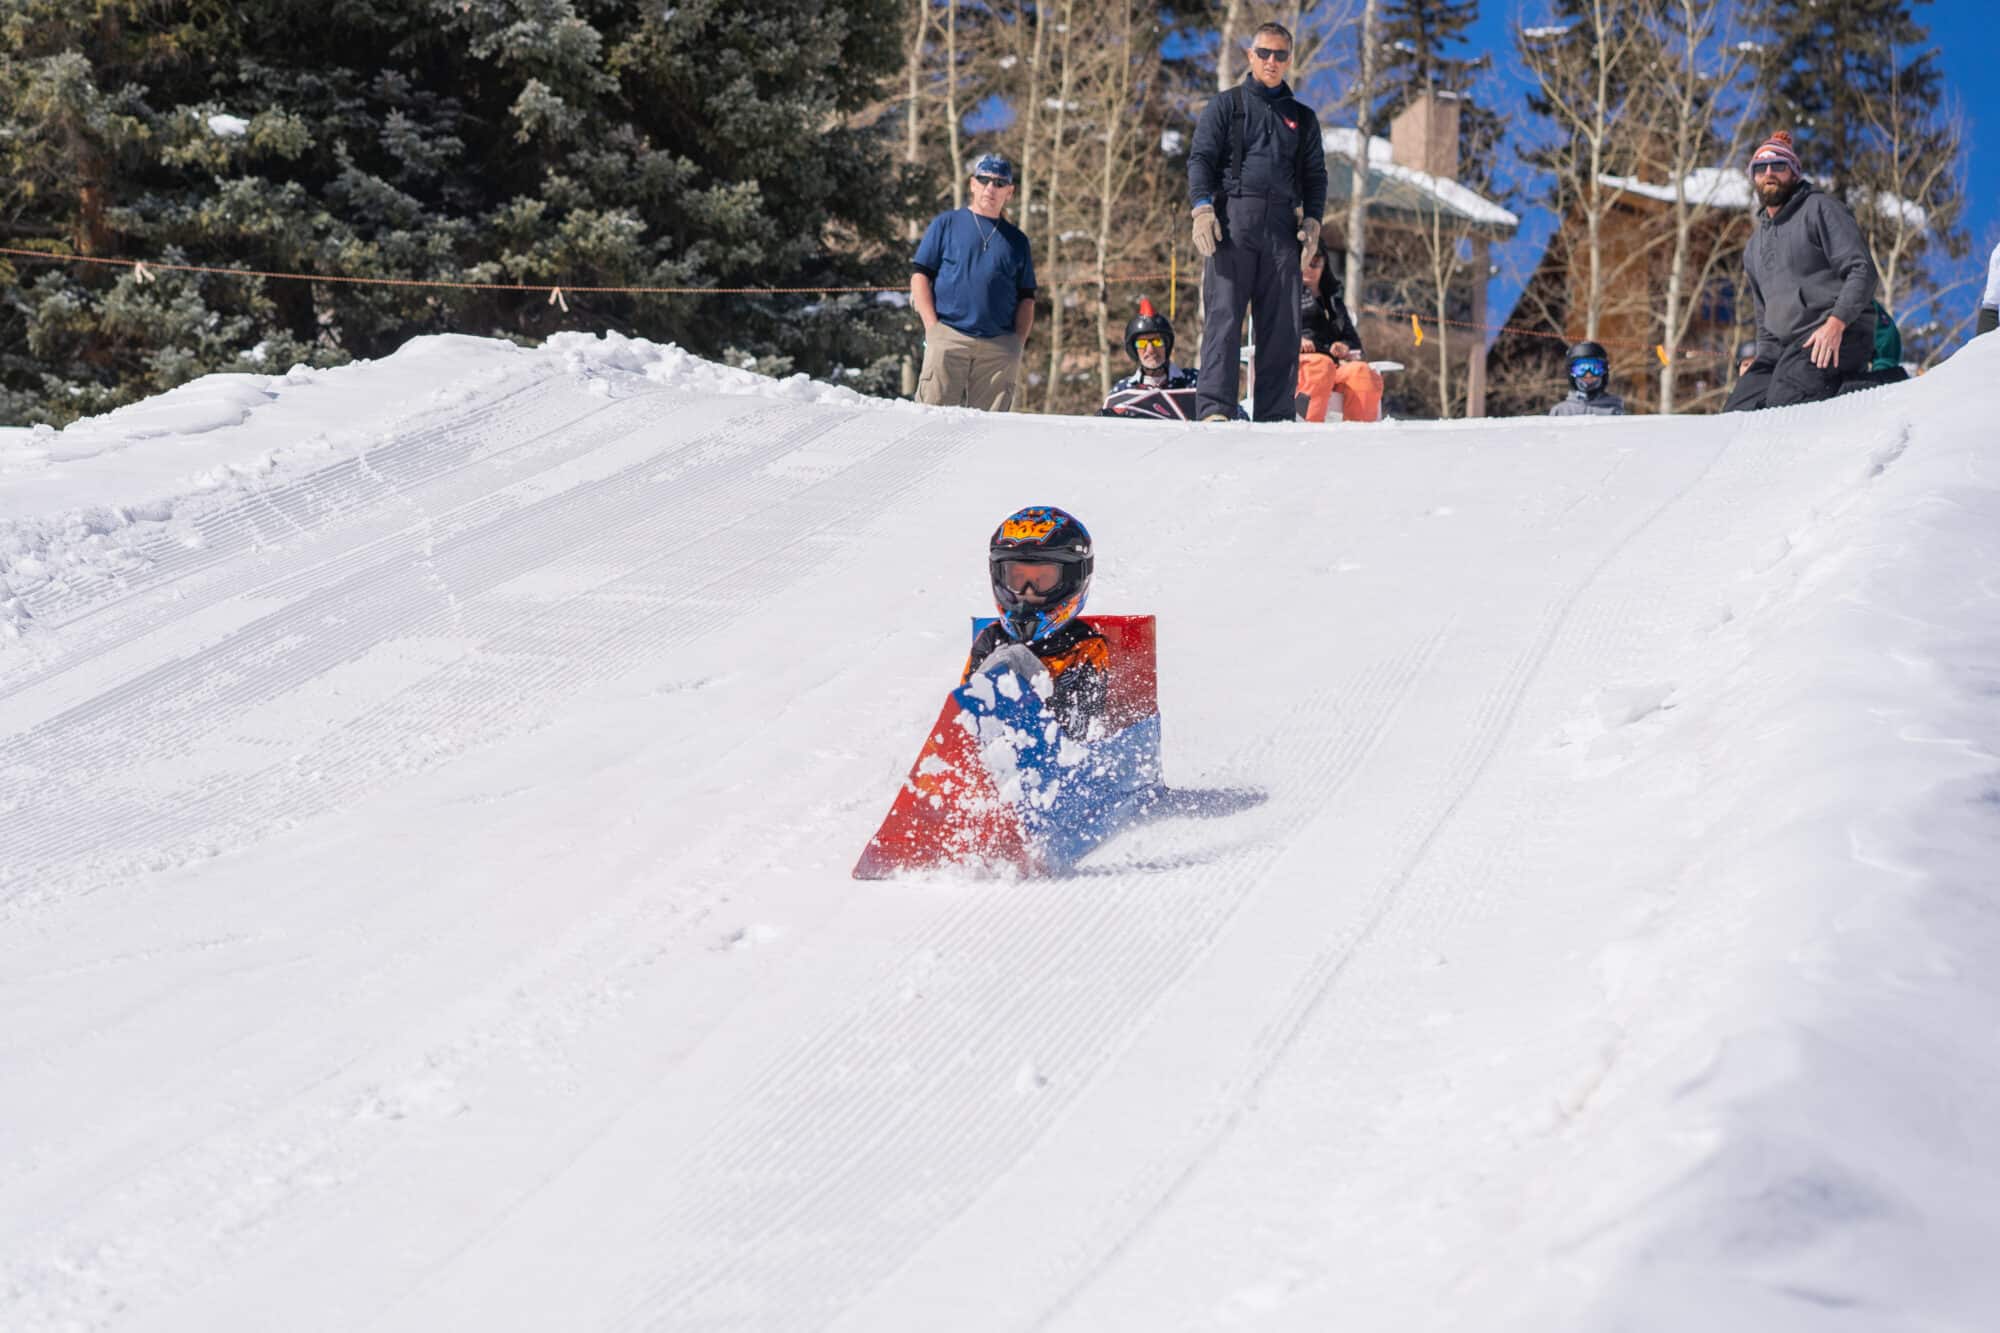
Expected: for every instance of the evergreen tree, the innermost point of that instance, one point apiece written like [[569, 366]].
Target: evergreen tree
[[1418, 41], [584, 142]]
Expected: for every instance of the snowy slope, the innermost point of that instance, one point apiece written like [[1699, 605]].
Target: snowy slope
[[428, 790]]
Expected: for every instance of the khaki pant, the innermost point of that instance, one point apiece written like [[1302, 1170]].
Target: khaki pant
[[963, 371]]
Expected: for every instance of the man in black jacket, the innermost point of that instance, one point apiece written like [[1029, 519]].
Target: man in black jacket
[[1814, 281], [1257, 179]]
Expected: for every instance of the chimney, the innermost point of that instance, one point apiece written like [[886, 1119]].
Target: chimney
[[1425, 135]]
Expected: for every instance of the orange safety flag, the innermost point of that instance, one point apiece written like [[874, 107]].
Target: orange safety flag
[[1416, 330], [1660, 350]]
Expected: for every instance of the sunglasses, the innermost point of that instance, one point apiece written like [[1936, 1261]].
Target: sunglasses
[[1148, 344], [1279, 54], [995, 181], [1772, 168]]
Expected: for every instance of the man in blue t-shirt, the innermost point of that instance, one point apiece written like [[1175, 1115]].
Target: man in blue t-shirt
[[973, 282]]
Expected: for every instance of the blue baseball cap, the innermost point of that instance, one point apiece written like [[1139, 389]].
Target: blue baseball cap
[[993, 164]]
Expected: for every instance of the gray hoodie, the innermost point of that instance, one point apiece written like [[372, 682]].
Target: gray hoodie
[[1581, 404], [1808, 262]]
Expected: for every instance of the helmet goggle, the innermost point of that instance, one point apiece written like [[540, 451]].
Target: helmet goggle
[[1586, 367], [1041, 578], [1149, 343]]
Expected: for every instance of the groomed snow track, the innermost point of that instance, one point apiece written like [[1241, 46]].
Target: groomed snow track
[[424, 894]]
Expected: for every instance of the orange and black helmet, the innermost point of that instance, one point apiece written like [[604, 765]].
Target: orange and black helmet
[[1040, 562]]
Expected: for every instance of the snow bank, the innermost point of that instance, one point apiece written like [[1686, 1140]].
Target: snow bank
[[429, 790], [82, 502]]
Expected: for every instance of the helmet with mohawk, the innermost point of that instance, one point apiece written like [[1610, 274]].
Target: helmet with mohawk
[[1148, 322]]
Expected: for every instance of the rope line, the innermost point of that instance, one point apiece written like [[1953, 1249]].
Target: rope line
[[146, 270], [149, 265]]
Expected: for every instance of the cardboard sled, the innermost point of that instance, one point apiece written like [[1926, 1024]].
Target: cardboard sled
[[998, 784], [1148, 403]]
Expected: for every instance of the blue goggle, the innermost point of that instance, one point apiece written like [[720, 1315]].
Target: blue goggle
[[1589, 365]]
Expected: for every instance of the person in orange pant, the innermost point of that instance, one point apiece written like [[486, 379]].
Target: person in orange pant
[[1330, 357]]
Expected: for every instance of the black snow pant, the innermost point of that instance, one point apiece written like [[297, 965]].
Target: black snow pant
[[1793, 378], [1256, 265]]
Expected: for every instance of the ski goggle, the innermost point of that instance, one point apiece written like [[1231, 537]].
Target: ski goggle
[[1589, 365], [1041, 577], [1148, 343]]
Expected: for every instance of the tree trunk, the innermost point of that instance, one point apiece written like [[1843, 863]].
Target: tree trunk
[[951, 102], [1443, 252], [1028, 137], [913, 68], [1118, 91], [1225, 52], [1058, 293], [1475, 366], [1593, 184], [1670, 339], [1357, 204]]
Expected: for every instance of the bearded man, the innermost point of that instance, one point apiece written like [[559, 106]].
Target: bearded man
[[1814, 281]]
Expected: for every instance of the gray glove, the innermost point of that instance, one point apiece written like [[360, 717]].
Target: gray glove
[[1308, 235], [1207, 231], [1989, 319], [1015, 659]]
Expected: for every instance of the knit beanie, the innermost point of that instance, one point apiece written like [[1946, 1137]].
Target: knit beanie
[[1778, 148]]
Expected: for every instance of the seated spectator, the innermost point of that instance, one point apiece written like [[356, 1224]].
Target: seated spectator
[[1887, 366], [1589, 378], [1149, 341], [1330, 356], [1157, 388]]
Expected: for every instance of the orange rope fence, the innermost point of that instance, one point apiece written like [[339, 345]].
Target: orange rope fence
[[146, 266], [144, 270]]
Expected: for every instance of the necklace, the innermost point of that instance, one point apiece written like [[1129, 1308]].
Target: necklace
[[985, 237]]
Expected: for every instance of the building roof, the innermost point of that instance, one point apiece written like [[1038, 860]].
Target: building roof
[[1404, 194], [1729, 187]]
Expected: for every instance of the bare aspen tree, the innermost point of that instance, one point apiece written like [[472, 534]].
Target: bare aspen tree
[[1583, 72], [1363, 100], [913, 69], [1115, 104], [1231, 34], [951, 102], [913, 140], [1028, 20], [1441, 248], [1059, 292], [1908, 189], [1681, 98]]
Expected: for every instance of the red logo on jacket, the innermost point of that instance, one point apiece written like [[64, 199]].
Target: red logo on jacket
[[1290, 124]]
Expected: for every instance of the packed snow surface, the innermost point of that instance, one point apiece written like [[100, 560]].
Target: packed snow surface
[[428, 791]]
